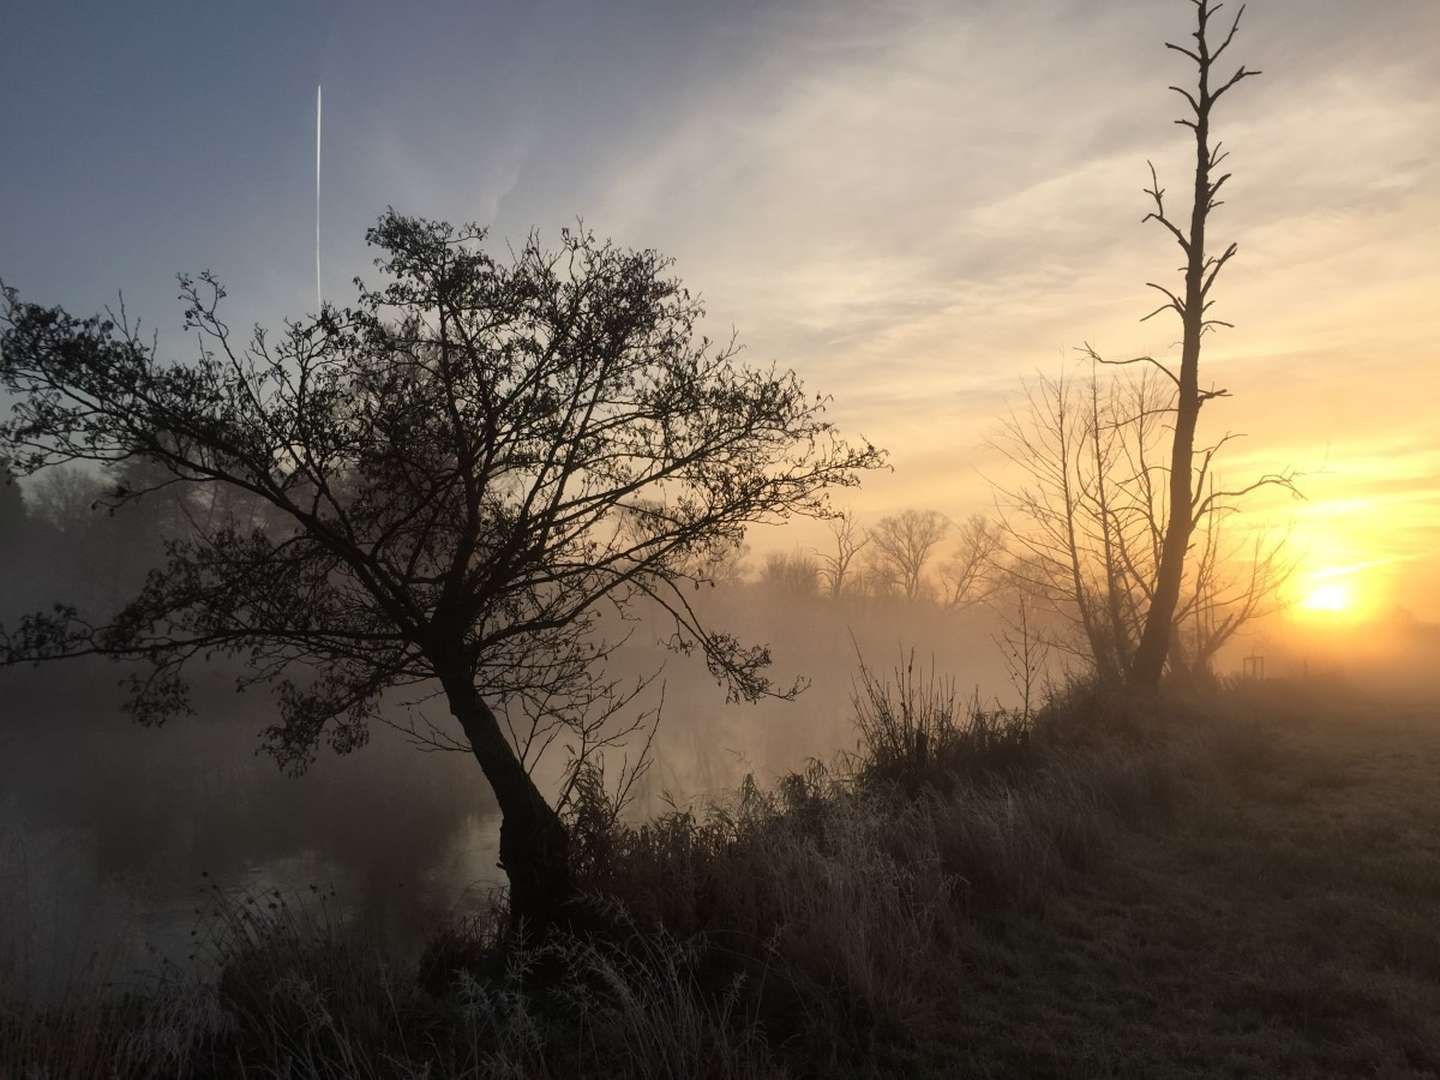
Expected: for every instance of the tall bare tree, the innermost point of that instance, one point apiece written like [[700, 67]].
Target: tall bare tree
[[1056, 518], [1192, 305], [465, 471]]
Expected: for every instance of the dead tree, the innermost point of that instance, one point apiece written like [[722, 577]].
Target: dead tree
[[1192, 305]]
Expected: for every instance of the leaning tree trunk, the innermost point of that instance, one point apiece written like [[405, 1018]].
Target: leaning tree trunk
[[534, 844]]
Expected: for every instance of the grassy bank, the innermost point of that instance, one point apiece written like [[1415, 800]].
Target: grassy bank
[[1241, 883]]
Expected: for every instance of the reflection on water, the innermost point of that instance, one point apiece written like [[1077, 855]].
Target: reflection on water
[[66, 919], [112, 836]]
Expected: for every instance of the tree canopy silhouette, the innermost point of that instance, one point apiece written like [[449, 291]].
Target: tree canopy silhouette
[[459, 476]]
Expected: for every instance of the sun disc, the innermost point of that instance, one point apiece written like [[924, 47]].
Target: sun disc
[[1331, 596]]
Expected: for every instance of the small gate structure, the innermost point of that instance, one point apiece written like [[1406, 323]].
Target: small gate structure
[[1253, 666]]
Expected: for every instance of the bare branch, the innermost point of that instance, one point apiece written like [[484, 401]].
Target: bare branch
[[1188, 97], [1097, 358], [1240, 75], [1216, 265], [1182, 50], [1157, 194], [1234, 26]]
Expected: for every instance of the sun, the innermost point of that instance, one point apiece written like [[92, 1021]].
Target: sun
[[1338, 592], [1330, 597]]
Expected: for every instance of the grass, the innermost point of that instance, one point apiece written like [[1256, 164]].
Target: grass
[[1242, 884]]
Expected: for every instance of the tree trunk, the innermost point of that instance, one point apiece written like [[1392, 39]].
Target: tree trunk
[[1150, 654], [534, 845], [1200, 273]]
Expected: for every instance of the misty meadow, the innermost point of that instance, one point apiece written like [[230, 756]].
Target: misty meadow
[[932, 575]]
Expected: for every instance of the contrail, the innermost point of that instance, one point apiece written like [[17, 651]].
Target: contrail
[[319, 301]]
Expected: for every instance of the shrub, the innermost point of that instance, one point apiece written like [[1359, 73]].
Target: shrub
[[917, 732]]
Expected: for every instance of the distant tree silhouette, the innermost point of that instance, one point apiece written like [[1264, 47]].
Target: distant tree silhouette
[[901, 546], [1187, 497], [461, 473], [837, 565], [70, 546], [728, 567], [795, 574], [967, 577]]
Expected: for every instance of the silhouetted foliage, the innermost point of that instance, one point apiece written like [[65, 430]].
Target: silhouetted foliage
[[460, 474]]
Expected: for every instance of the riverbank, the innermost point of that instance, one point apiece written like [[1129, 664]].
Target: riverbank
[[1242, 884]]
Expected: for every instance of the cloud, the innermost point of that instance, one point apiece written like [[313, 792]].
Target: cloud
[[917, 216]]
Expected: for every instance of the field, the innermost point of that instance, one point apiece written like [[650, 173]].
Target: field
[[1281, 924]]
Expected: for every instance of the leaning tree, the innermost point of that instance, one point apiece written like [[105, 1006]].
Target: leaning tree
[[465, 477]]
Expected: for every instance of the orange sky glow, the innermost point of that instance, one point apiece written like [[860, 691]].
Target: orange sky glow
[[992, 224]]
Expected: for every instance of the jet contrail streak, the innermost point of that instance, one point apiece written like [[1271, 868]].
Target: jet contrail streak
[[319, 301]]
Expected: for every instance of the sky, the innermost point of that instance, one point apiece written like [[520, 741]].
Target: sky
[[915, 204]]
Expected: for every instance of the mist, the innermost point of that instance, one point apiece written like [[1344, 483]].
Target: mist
[[729, 541], [114, 833]]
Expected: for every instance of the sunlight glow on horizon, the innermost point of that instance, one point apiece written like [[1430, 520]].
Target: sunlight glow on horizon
[[1345, 592]]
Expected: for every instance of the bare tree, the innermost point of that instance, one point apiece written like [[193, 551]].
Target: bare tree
[[1042, 514], [901, 546], [836, 565], [967, 577], [1193, 308], [1084, 524], [1026, 655], [471, 466], [1233, 584]]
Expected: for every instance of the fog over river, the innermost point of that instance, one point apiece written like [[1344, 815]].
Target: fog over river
[[113, 835]]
